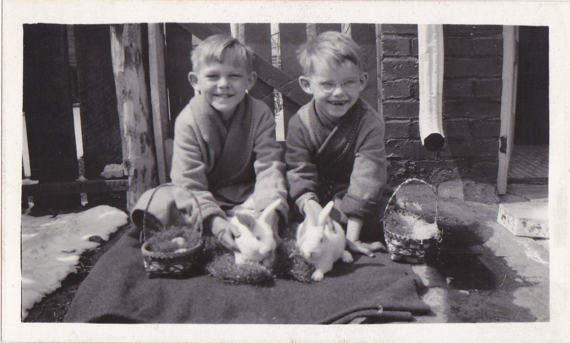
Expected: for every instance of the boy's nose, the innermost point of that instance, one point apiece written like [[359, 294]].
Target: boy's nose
[[223, 82], [338, 90]]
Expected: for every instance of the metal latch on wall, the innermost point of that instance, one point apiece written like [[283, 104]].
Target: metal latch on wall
[[503, 144]]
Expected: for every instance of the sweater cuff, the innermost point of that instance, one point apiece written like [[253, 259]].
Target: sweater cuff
[[209, 211], [301, 200], [358, 207]]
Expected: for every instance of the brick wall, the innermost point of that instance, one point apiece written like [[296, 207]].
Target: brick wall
[[471, 101]]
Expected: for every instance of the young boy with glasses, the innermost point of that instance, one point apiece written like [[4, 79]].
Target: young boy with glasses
[[335, 143]]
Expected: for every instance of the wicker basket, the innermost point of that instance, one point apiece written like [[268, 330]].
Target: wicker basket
[[401, 227], [180, 262]]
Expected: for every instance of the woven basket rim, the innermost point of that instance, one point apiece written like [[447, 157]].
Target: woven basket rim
[[165, 255], [407, 237], [198, 227]]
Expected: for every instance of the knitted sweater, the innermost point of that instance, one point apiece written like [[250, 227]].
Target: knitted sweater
[[346, 159], [224, 165]]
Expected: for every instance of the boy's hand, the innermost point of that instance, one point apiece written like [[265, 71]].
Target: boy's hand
[[353, 242], [365, 248], [225, 232]]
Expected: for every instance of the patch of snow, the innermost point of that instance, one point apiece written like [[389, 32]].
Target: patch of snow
[[51, 247]]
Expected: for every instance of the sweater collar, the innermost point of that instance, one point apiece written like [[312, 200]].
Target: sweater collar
[[329, 122]]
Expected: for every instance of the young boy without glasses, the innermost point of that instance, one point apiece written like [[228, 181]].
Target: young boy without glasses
[[224, 141], [335, 143]]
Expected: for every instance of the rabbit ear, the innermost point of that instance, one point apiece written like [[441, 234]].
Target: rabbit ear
[[333, 227], [325, 212], [246, 220], [268, 210], [301, 230]]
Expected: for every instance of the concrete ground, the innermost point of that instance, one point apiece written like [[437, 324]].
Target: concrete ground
[[484, 273]]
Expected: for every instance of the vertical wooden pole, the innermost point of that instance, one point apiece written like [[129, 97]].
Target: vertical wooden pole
[[379, 56], [277, 96], [508, 105], [346, 29], [26, 162], [311, 31], [158, 100], [134, 110], [238, 31], [76, 108]]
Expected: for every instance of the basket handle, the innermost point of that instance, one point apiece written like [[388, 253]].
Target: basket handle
[[410, 180], [142, 236]]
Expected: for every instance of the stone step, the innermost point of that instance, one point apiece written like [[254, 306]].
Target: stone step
[[529, 218]]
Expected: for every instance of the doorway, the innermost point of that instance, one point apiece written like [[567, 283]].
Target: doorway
[[529, 159]]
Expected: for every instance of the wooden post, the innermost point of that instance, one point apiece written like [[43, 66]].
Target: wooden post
[[277, 96], [311, 31], [159, 103], [508, 105], [379, 56], [134, 111]]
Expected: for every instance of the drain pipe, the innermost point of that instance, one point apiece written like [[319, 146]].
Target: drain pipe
[[430, 56]]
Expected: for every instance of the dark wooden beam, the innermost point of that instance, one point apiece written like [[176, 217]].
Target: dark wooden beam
[[76, 187]]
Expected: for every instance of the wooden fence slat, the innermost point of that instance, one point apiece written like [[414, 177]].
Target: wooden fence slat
[[134, 110], [99, 117], [277, 96], [378, 75], [178, 65], [257, 37], [328, 27], [47, 103], [266, 72], [292, 36], [365, 36], [158, 99], [508, 105]]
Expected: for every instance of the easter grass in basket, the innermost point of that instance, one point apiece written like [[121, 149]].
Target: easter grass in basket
[[174, 239], [411, 225]]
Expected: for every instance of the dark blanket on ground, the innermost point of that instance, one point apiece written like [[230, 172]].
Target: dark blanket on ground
[[118, 290]]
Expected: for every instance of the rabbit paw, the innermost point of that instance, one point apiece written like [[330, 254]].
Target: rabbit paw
[[347, 257], [317, 275]]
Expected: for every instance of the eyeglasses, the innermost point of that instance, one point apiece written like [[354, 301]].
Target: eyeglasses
[[329, 87]]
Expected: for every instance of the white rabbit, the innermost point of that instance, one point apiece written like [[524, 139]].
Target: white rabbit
[[322, 244], [256, 242]]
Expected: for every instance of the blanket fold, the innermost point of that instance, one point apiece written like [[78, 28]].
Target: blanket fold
[[118, 291]]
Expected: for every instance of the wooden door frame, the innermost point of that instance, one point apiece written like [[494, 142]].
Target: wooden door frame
[[508, 104]]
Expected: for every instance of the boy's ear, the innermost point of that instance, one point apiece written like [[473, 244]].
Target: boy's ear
[[193, 79], [363, 80], [305, 84], [252, 79]]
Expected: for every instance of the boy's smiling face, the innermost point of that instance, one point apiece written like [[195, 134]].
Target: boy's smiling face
[[223, 85], [335, 87]]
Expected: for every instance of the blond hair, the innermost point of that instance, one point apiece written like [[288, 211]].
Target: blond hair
[[220, 48], [333, 47]]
